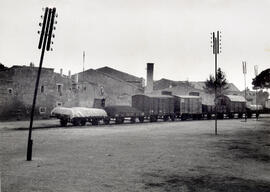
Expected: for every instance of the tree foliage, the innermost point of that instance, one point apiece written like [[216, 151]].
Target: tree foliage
[[221, 83], [2, 67], [262, 80]]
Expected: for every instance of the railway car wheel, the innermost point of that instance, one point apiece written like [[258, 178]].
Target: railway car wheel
[[209, 116], [165, 118], [183, 117], [172, 117], [119, 120], [76, 122], [94, 121], [106, 121], [240, 115], [249, 115], [83, 122], [133, 120], [153, 118], [257, 115], [141, 119], [63, 122], [220, 116], [230, 115]]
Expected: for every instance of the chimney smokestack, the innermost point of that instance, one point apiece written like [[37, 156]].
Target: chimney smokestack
[[61, 72], [150, 81], [69, 74]]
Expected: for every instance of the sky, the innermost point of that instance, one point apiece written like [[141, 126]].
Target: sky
[[127, 34]]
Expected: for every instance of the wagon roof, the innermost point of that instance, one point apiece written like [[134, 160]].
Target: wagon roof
[[236, 98], [157, 95], [188, 96]]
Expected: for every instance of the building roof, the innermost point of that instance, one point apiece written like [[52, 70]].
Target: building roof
[[120, 75]]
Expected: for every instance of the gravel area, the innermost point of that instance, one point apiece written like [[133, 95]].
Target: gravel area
[[164, 156]]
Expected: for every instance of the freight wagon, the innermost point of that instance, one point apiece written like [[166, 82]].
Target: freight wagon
[[186, 106], [154, 107], [230, 105], [120, 112]]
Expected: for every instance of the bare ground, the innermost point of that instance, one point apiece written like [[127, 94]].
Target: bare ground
[[171, 156]]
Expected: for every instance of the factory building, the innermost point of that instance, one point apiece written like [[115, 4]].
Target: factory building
[[85, 89]]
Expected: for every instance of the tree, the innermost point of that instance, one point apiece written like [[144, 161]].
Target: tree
[[2, 67], [262, 80], [221, 83]]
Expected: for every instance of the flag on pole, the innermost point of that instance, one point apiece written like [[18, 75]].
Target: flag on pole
[[244, 67]]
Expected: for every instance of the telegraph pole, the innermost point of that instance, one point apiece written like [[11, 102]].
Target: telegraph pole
[[256, 73], [245, 72], [83, 64], [215, 43], [44, 43]]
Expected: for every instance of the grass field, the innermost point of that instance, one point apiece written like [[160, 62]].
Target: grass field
[[171, 156]]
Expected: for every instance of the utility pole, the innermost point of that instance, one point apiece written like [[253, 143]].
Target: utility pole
[[44, 43], [256, 73], [245, 72], [215, 43], [83, 64]]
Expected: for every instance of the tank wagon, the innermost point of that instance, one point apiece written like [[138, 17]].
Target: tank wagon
[[230, 105], [78, 115], [186, 106], [154, 107], [120, 112]]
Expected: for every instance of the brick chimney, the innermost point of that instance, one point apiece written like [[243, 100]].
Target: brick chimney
[[149, 78], [69, 74]]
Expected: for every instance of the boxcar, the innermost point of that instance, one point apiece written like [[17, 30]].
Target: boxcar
[[230, 105], [120, 112], [154, 106], [208, 110], [187, 106]]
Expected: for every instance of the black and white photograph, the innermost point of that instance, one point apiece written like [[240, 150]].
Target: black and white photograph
[[135, 95]]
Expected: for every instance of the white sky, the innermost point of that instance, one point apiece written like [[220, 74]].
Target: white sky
[[126, 34]]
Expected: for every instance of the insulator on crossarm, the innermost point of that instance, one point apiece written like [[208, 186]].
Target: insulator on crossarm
[[40, 24], [56, 15], [55, 22], [54, 28], [52, 42], [38, 32], [51, 49], [53, 35]]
